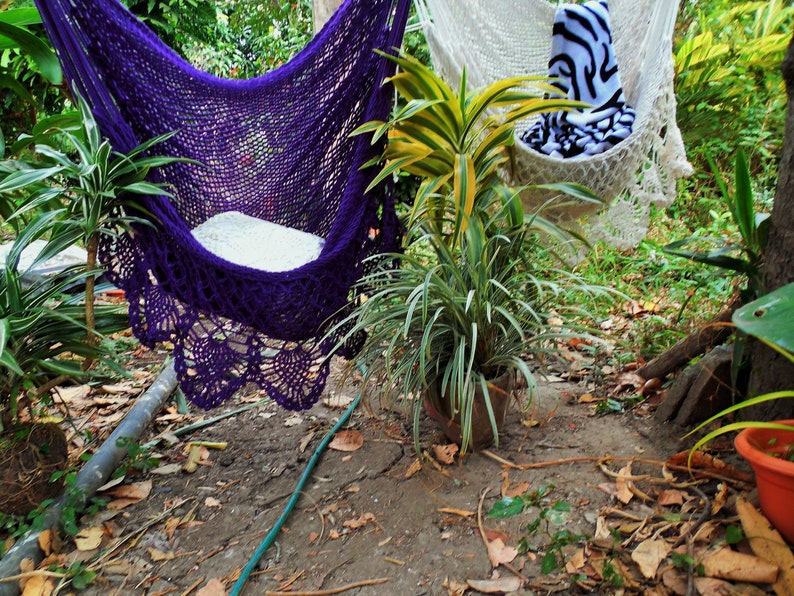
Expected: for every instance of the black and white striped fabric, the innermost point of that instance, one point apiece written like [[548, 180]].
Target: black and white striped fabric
[[583, 61]]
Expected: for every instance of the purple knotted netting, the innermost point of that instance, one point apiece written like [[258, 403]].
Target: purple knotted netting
[[276, 147]]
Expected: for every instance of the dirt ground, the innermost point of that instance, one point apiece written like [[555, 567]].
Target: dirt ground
[[370, 517], [372, 520]]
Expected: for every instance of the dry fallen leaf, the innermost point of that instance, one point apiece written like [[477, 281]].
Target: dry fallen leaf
[[768, 544], [729, 564], [337, 400], [603, 535], [89, 538], [503, 585], [455, 587], [158, 555], [136, 491], [519, 489], [498, 553], [214, 587], [119, 504], [675, 580], [445, 453], [672, 497], [622, 482], [38, 585], [359, 522], [415, 466], [576, 562], [720, 498], [649, 554], [347, 440], [212, 502], [627, 381], [166, 469], [45, 541], [460, 512]]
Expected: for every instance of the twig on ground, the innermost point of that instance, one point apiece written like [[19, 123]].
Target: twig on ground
[[480, 525], [95, 564], [606, 458], [330, 591], [192, 586], [29, 574], [210, 421]]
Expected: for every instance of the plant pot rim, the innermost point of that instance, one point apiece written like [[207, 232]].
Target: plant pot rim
[[747, 444]]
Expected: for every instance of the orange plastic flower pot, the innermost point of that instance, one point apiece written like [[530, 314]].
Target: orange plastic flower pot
[[773, 475]]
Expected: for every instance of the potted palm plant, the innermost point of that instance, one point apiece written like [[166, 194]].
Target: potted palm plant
[[768, 446], [450, 327]]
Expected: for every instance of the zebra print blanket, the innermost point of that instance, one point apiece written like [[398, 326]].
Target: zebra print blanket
[[583, 62]]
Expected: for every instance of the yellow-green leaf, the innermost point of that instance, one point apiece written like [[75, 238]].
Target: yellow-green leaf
[[464, 188]]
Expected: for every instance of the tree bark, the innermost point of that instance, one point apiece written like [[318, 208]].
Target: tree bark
[[770, 370], [322, 11]]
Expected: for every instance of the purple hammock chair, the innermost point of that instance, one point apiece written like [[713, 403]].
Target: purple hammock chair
[[276, 148]]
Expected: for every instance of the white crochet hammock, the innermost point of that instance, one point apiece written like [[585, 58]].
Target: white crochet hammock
[[496, 39]]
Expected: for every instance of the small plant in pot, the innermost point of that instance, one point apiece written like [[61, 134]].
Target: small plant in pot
[[42, 342], [768, 446], [451, 321], [50, 327]]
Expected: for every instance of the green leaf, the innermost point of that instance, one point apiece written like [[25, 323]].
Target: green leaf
[[737, 426], [37, 50], [733, 535], [558, 512], [12, 83], [549, 562], [22, 178], [718, 258], [507, 507], [464, 189], [744, 201], [6, 358], [146, 188], [770, 318], [21, 16]]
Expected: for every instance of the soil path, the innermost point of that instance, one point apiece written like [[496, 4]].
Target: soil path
[[364, 516]]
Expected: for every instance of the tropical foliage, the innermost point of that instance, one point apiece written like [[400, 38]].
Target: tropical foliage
[[472, 296], [728, 57], [771, 320], [29, 73]]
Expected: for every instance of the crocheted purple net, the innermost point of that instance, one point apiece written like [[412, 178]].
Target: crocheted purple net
[[276, 147]]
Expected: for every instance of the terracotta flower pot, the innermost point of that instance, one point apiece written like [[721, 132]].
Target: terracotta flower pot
[[439, 409], [773, 475]]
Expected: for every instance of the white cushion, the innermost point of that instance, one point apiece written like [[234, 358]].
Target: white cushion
[[257, 243]]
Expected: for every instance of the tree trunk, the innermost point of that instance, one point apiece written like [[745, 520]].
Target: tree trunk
[[770, 370], [322, 11], [92, 248]]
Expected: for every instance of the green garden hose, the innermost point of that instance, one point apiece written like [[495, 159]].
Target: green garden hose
[[237, 589]]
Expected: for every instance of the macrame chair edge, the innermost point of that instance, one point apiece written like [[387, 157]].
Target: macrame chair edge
[[252, 348], [648, 162]]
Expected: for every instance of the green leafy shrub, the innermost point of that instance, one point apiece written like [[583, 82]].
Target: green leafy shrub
[[729, 87], [30, 75]]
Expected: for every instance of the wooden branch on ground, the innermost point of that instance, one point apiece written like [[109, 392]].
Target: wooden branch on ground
[[716, 331]]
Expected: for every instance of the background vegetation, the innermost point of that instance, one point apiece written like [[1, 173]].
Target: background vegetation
[[730, 97]]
